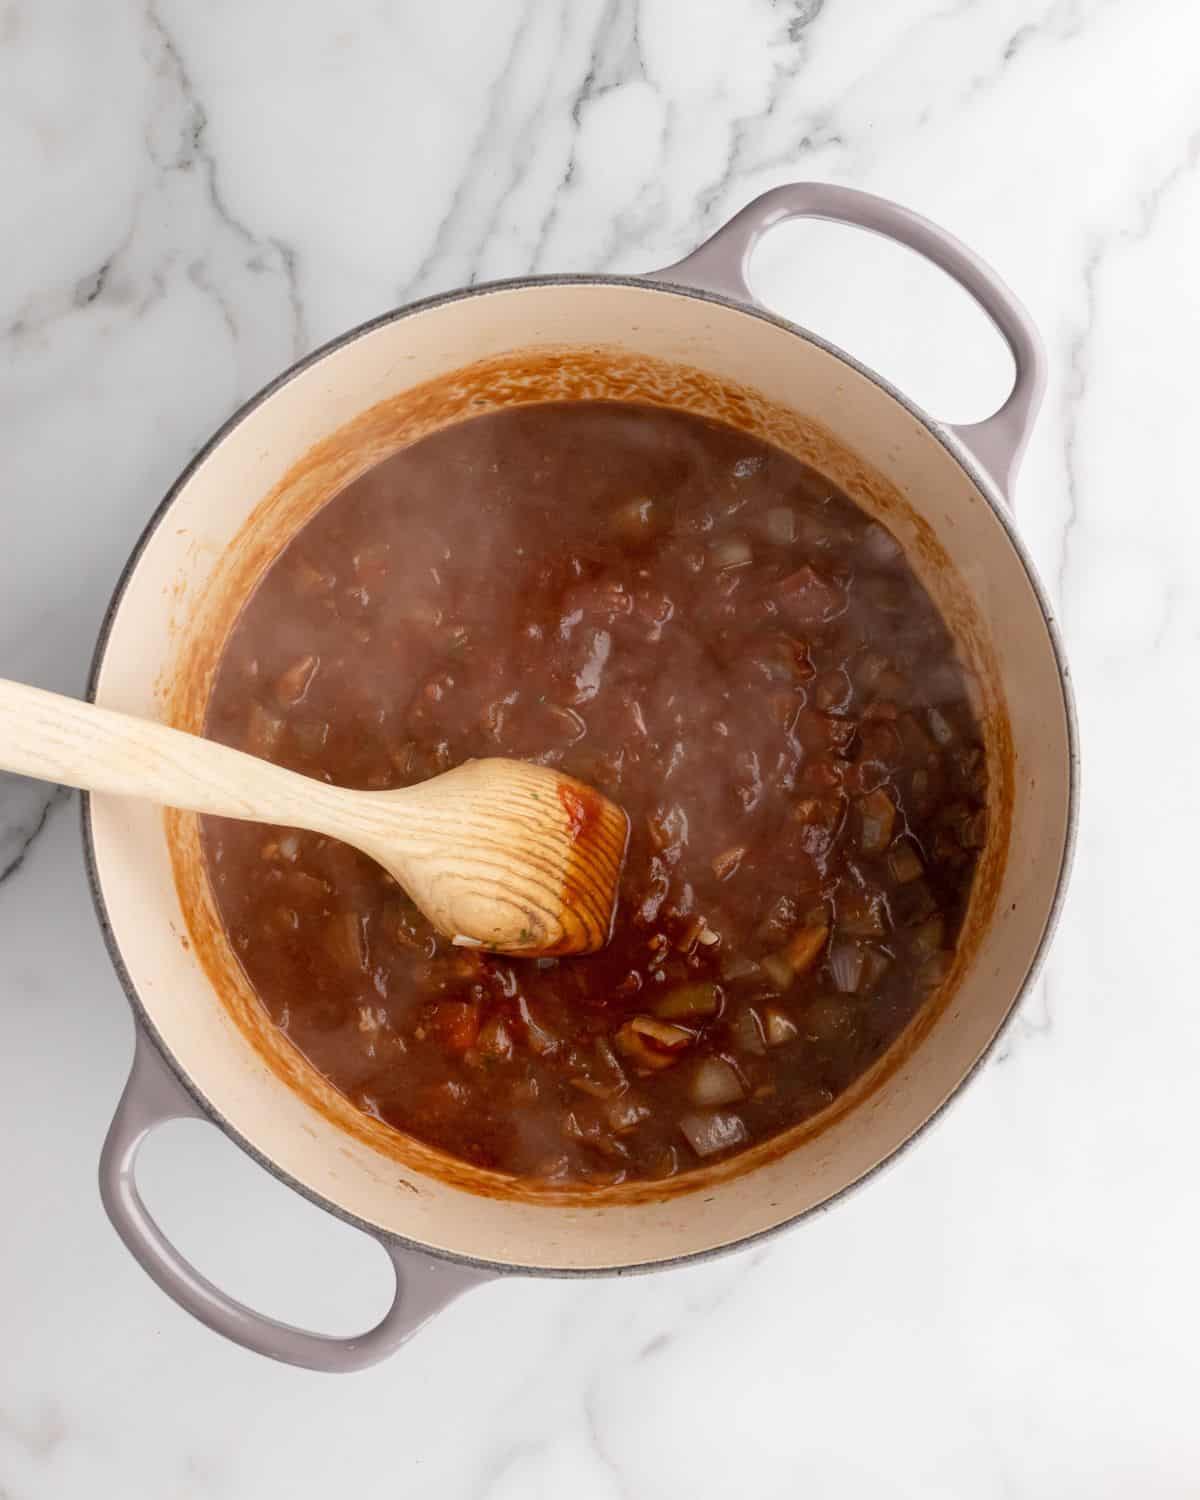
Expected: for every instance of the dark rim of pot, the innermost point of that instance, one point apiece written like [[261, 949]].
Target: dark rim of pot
[[961, 455]]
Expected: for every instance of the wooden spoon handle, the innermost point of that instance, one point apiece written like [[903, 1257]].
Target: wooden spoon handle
[[79, 744]]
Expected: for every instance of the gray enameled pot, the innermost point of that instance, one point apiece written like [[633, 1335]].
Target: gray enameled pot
[[691, 335]]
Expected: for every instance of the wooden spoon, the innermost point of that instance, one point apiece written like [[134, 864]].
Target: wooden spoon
[[497, 853]]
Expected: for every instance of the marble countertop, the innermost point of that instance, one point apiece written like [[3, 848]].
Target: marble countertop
[[194, 195]]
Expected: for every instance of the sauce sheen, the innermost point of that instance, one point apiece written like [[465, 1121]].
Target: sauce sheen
[[709, 633]]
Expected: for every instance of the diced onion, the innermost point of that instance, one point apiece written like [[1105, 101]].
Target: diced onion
[[747, 1032], [827, 1019], [879, 544], [372, 559], [727, 862], [714, 1082], [306, 887], [496, 1039], [709, 1134], [595, 1090], [650, 1043], [933, 971], [568, 725], [905, 864], [293, 684], [863, 919], [310, 736], [737, 967], [731, 552], [805, 947], [928, 938], [809, 598], [262, 731], [689, 1002], [877, 818], [973, 833], [940, 727], [310, 580], [661, 1034], [626, 1111], [689, 934], [344, 941], [875, 965], [635, 518], [668, 828], [780, 525], [870, 669], [779, 921], [778, 970], [542, 1042], [833, 691], [780, 1027], [846, 965]]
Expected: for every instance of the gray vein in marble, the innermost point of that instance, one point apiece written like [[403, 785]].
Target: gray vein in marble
[[1149, 206], [600, 1447], [24, 835], [656, 1345], [1171, 596], [1075, 388], [1036, 1016], [135, 271], [698, 1309], [806, 12], [271, 253], [523, 152], [509, 1456], [1032, 1018], [456, 210], [1061, 21], [816, 131], [40, 311], [687, 1318], [1066, 21], [39, 1436], [615, 59], [744, 128]]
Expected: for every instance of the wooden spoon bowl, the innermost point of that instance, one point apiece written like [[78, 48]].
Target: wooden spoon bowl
[[498, 854]]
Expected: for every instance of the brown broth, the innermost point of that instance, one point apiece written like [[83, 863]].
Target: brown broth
[[707, 631]]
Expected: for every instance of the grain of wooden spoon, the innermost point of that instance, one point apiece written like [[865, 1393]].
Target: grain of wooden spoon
[[498, 854]]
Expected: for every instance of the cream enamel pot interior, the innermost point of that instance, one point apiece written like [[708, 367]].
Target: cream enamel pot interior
[[690, 335]]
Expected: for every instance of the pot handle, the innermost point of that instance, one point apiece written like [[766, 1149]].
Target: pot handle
[[154, 1095], [720, 265]]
